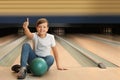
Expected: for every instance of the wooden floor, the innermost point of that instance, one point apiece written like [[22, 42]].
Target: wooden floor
[[108, 52], [75, 70], [4, 40]]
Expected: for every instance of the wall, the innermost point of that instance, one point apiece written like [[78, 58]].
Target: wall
[[59, 7]]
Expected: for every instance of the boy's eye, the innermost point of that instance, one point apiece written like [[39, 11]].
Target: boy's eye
[[41, 26], [38, 26], [44, 26]]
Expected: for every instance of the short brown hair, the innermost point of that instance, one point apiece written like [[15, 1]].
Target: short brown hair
[[41, 20]]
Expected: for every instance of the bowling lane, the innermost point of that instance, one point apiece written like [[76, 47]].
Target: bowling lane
[[66, 59], [83, 60], [106, 51], [110, 37], [75, 72], [11, 51], [114, 40], [7, 39]]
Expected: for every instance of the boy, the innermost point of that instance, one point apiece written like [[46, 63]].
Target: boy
[[43, 42]]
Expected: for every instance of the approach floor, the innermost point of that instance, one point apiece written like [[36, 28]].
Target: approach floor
[[75, 70]]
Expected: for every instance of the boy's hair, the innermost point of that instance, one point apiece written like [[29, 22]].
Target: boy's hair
[[41, 20]]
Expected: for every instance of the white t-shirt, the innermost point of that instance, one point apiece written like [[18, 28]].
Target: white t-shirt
[[43, 46]]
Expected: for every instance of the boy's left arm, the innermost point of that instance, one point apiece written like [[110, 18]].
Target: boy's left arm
[[55, 52]]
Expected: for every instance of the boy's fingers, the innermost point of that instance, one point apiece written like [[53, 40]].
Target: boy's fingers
[[27, 19]]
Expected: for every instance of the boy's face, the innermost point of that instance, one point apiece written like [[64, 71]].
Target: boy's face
[[42, 28]]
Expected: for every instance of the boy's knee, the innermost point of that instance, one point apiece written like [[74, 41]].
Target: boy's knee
[[26, 44], [50, 60]]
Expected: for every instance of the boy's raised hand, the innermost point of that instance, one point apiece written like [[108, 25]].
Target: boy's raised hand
[[26, 23]]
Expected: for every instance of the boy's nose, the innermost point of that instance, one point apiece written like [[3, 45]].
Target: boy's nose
[[42, 28]]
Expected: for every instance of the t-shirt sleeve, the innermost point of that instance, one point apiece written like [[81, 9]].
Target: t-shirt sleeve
[[34, 36], [53, 41]]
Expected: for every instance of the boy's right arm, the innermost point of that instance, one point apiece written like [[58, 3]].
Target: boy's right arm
[[26, 29]]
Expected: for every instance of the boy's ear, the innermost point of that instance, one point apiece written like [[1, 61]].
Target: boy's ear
[[48, 28]]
